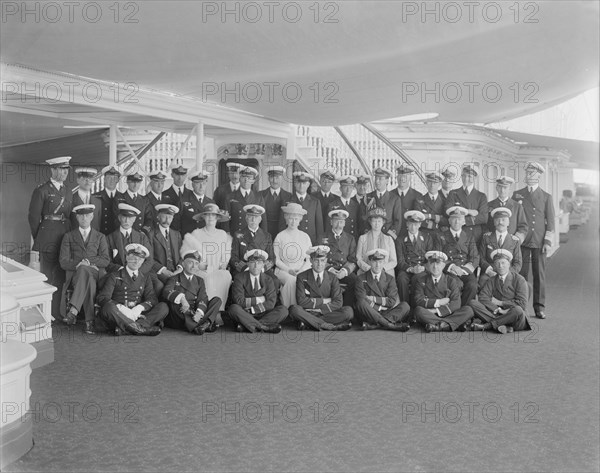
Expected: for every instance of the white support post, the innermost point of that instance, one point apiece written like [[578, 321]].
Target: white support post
[[199, 145]]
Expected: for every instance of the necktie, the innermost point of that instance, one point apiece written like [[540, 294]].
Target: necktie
[[500, 241], [134, 196], [377, 278], [254, 284], [318, 279], [456, 237], [402, 195], [412, 239], [337, 237], [167, 235], [158, 198], [301, 200], [134, 276], [379, 194], [435, 282], [274, 194], [128, 237], [252, 233], [530, 189], [179, 193]]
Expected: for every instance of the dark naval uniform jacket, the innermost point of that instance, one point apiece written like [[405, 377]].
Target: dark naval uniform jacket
[[461, 252], [489, 243], [325, 202], [352, 208], [362, 225], [222, 192], [121, 289], [385, 291], [245, 295], [194, 291], [517, 224], [190, 206], [410, 254], [426, 292], [243, 241], [310, 296], [144, 219], [408, 202], [273, 209], [96, 221], [342, 251], [432, 209], [49, 212], [312, 222], [116, 249], [539, 211], [107, 221], [235, 207], [476, 200], [171, 197]]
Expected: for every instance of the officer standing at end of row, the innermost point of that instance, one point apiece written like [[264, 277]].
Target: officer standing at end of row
[[539, 211], [49, 220]]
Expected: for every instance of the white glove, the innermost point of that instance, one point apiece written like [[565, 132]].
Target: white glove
[[137, 311], [126, 312]]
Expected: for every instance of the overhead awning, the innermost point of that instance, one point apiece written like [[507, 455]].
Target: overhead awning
[[319, 63]]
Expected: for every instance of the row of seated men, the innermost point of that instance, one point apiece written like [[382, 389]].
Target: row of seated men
[[48, 209], [129, 294]]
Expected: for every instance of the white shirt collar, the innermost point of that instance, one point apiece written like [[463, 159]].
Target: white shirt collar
[[83, 194], [110, 193], [124, 232], [85, 232], [315, 274], [534, 187], [432, 196], [198, 196], [131, 272], [503, 235], [455, 234], [158, 196], [233, 186], [400, 191], [178, 189], [469, 189], [276, 191], [325, 194], [375, 276], [301, 196], [131, 193], [56, 184], [253, 231]]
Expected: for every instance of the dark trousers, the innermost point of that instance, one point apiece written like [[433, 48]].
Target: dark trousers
[[251, 321], [348, 284], [48, 243], [404, 281], [456, 318], [469, 287], [538, 269], [316, 319], [515, 317], [114, 318], [395, 315], [84, 284], [175, 319]]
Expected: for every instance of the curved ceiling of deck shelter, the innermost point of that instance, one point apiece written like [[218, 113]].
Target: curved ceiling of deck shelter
[[367, 60]]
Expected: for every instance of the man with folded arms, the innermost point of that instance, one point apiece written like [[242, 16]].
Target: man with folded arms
[[319, 296], [431, 205], [255, 298], [502, 301], [166, 243], [83, 255], [461, 251], [377, 298], [128, 302], [437, 298], [189, 307]]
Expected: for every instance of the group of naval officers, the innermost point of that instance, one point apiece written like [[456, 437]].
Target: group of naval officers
[[448, 259]]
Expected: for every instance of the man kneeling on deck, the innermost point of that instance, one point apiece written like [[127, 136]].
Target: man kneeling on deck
[[377, 300], [503, 298], [437, 297], [254, 297], [319, 296], [128, 300], [189, 307]]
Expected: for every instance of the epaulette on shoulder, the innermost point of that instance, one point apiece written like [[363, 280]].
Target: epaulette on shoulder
[[487, 233]]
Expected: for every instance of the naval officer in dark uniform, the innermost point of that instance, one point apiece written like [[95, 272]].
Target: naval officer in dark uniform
[[193, 202], [275, 197], [325, 196], [389, 201], [407, 195], [175, 194], [83, 196], [108, 222], [240, 198], [49, 212], [539, 211], [518, 221], [128, 301], [132, 196], [154, 195], [348, 204]]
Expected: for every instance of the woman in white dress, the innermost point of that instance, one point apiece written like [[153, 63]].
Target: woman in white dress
[[290, 248], [214, 246], [373, 239]]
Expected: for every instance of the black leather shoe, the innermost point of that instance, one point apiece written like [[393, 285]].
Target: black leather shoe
[[239, 328], [117, 332], [366, 326], [301, 325], [204, 326], [432, 328], [343, 326], [212, 327], [197, 330], [509, 329], [271, 328], [89, 328], [466, 327], [137, 329], [540, 314], [398, 327], [152, 331]]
